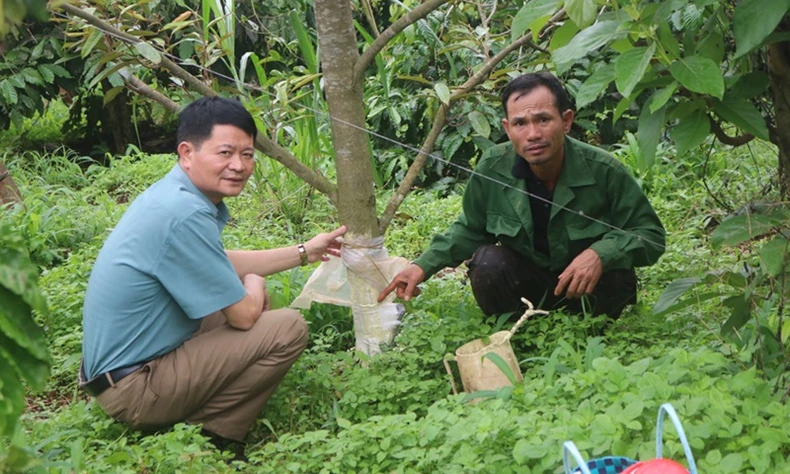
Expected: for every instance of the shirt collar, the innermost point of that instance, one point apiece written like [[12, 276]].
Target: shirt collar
[[220, 210]]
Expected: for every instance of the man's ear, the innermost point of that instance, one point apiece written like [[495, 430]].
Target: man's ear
[[185, 153], [506, 126], [567, 120]]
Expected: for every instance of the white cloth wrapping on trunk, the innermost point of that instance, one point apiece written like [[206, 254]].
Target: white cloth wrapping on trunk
[[356, 279]]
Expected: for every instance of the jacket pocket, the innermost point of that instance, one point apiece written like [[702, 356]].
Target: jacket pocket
[[502, 226], [587, 229]]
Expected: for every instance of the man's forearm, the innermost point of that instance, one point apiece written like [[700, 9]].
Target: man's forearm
[[264, 262]]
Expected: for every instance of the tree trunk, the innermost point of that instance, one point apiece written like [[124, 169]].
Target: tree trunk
[[356, 200], [117, 120], [779, 71], [9, 192]]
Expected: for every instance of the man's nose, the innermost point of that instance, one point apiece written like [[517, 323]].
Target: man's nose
[[532, 132], [236, 162]]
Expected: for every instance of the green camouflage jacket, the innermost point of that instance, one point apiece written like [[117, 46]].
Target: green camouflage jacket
[[592, 184]]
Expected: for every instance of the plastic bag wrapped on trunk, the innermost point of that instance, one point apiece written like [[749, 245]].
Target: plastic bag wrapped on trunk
[[355, 280]]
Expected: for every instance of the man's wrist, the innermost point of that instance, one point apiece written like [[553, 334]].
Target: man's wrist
[[302, 255]]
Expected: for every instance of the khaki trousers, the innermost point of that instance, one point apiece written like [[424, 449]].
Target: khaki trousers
[[222, 377]]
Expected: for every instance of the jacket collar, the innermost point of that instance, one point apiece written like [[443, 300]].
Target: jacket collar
[[575, 173]]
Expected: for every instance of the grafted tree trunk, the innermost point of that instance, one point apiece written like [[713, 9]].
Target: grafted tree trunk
[[779, 71], [9, 192], [344, 94]]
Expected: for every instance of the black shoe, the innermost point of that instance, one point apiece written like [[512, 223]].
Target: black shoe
[[226, 445]]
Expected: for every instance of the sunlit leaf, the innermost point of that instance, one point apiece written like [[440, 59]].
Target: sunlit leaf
[[480, 124], [530, 12], [442, 92], [148, 52], [630, 67], [699, 74]]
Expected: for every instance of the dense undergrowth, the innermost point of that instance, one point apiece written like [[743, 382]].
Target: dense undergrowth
[[594, 381]]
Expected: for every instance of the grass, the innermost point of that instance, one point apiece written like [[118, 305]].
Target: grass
[[396, 411]]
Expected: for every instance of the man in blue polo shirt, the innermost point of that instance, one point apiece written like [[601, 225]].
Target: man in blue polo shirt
[[176, 328]]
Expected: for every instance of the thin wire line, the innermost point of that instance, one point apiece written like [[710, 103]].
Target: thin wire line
[[406, 146]]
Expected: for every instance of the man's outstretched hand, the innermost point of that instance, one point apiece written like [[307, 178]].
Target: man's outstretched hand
[[405, 283], [320, 247], [581, 276]]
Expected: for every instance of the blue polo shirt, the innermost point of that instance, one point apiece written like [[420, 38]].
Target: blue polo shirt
[[162, 269]]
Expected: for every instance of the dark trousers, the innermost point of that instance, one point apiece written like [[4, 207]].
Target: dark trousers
[[500, 277]]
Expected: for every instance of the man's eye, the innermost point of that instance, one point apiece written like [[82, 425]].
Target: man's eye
[[225, 153]]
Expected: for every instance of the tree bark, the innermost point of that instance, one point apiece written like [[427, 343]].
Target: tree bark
[[356, 200], [9, 192], [779, 71], [117, 119]]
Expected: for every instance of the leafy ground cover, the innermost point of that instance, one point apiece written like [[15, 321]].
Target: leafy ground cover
[[594, 381]]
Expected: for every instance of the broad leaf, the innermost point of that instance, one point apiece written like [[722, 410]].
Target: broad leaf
[[712, 47], [739, 229], [673, 292], [12, 396], [661, 97], [649, 133], [699, 74], [594, 85], [754, 20], [743, 114], [480, 124], [582, 12], [148, 52], [531, 11], [9, 93], [750, 85], [690, 131], [740, 312], [588, 40], [773, 255], [630, 67], [442, 92]]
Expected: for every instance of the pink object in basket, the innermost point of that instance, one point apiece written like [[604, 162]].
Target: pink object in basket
[[656, 466]]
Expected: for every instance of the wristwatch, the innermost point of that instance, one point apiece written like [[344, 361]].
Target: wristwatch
[[302, 254]]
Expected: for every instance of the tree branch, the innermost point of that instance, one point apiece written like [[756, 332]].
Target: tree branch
[[410, 18], [262, 143], [726, 139], [368, 9], [439, 120]]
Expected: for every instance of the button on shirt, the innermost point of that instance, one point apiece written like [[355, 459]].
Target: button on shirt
[[161, 270]]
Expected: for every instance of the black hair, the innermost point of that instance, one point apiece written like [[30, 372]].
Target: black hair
[[197, 120], [524, 84]]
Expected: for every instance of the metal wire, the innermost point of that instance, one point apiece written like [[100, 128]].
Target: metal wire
[[406, 146]]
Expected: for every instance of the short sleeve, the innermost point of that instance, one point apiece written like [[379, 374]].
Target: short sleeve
[[194, 268]]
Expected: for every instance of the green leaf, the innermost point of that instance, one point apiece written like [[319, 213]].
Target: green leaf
[[148, 52], [525, 450], [12, 396], [754, 20], [90, 43], [530, 12], [690, 131], [743, 114], [699, 74], [661, 97], [712, 47], [303, 38], [594, 85], [740, 312], [773, 255], [673, 292], [731, 463], [739, 229], [630, 67], [58, 70], [650, 127], [480, 124], [32, 76], [750, 85], [588, 40], [9, 93], [581, 12], [502, 365], [442, 92], [46, 74]]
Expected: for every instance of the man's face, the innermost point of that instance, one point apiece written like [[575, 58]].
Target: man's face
[[535, 126], [221, 165]]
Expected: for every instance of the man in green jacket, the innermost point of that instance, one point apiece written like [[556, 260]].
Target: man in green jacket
[[545, 217]]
